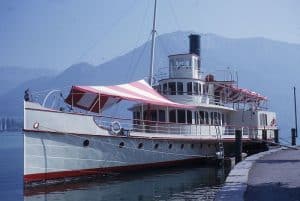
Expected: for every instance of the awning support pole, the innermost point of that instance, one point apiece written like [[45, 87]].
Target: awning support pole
[[72, 100], [142, 116], [99, 104]]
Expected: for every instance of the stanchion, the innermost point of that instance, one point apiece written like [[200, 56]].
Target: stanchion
[[293, 130], [238, 146], [264, 135], [276, 136]]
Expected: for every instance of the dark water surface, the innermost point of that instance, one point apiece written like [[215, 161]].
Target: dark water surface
[[182, 183]]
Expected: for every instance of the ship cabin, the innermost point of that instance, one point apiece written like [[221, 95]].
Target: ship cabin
[[216, 104]]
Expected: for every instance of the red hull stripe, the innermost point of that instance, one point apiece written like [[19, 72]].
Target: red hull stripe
[[87, 172]]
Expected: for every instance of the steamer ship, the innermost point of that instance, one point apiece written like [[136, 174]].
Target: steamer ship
[[182, 118]]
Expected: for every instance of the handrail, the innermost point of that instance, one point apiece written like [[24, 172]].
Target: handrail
[[149, 126]]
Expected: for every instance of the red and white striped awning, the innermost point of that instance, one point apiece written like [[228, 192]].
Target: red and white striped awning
[[236, 94], [87, 97]]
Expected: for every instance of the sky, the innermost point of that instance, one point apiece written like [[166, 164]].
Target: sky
[[58, 33]]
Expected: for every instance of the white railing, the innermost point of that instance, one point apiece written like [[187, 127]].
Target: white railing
[[145, 126]]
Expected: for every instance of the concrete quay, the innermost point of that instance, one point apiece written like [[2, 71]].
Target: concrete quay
[[271, 175]]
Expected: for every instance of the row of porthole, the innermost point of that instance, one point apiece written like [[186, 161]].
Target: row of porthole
[[122, 144]]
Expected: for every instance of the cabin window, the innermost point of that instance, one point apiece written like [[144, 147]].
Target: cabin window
[[158, 88], [205, 89], [170, 146], [150, 115], [189, 116], [172, 63], [202, 117], [136, 117], [263, 119], [216, 118], [196, 88], [196, 117], [219, 118], [156, 146], [172, 88], [153, 115], [212, 118], [189, 88], [181, 116], [161, 115], [206, 118], [223, 118], [165, 88], [172, 116], [179, 88]]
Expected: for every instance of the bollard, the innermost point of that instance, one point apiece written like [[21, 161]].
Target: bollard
[[276, 136], [238, 146], [264, 135], [293, 130]]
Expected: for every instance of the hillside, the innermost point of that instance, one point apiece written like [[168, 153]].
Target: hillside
[[266, 66], [12, 76]]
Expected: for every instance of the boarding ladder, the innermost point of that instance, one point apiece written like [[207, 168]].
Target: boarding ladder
[[220, 153]]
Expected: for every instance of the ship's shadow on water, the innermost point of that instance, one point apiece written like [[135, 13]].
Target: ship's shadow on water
[[182, 183]]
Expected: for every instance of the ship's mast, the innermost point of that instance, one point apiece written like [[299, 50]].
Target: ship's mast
[[152, 47]]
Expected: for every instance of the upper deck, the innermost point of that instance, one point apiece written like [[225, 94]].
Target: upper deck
[[183, 82]]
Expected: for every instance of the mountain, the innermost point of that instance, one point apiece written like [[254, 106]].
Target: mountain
[[12, 76], [265, 66]]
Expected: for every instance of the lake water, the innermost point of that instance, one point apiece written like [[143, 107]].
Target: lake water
[[182, 183]]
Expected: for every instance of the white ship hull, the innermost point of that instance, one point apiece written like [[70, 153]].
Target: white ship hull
[[55, 153]]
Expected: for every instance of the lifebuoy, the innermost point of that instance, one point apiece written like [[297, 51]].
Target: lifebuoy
[[116, 127]]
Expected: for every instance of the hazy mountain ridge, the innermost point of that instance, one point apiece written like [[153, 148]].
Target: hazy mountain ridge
[[12, 76], [265, 66]]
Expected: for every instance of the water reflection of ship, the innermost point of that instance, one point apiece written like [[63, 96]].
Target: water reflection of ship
[[146, 185]]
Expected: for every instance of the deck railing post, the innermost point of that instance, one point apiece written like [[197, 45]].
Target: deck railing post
[[276, 136], [293, 130], [238, 146], [264, 135]]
